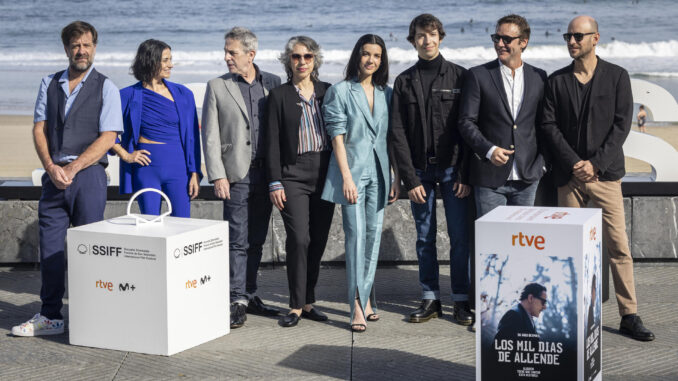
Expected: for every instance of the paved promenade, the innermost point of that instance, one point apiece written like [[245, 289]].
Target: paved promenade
[[391, 349]]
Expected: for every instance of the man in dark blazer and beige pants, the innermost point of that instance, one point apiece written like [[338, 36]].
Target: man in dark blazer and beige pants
[[500, 112], [588, 109], [232, 136]]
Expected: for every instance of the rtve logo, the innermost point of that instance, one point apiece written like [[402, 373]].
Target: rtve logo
[[108, 286], [538, 242], [193, 248], [101, 250], [194, 283]]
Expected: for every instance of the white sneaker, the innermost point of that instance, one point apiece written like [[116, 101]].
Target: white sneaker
[[473, 327], [38, 326]]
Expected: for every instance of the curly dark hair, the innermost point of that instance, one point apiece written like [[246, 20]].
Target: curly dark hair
[[425, 21], [380, 77], [148, 61]]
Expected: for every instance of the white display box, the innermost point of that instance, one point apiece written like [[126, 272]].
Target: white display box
[[559, 249], [156, 288]]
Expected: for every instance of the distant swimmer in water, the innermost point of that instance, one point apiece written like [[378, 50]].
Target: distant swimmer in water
[[642, 116]]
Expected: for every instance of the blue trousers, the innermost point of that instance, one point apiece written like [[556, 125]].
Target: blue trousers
[[83, 202], [426, 224], [167, 172], [511, 193], [248, 213], [362, 231]]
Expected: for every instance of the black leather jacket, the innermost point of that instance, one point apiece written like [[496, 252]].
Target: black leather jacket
[[409, 133]]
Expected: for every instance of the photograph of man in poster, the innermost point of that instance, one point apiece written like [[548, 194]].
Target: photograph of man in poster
[[519, 319]]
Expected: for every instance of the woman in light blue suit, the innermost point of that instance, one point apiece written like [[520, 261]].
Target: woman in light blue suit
[[356, 113]]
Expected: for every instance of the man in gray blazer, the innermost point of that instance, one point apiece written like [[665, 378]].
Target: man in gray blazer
[[232, 136]]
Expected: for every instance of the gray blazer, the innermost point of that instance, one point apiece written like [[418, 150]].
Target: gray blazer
[[225, 130]]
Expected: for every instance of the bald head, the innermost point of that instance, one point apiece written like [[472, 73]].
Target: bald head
[[583, 22], [582, 37]]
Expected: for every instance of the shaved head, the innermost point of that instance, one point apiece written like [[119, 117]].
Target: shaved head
[[587, 23]]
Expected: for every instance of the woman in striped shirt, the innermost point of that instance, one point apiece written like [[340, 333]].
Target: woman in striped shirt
[[297, 155]]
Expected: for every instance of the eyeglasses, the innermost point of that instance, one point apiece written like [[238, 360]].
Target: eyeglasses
[[507, 39], [577, 36], [297, 57], [543, 301]]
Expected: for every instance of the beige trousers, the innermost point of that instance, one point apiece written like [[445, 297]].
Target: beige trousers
[[607, 195]]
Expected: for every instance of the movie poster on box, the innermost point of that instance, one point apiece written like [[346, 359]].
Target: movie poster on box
[[592, 301], [534, 342]]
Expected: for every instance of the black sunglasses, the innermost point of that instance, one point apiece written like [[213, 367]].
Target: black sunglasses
[[507, 39], [577, 36], [297, 57], [543, 301]]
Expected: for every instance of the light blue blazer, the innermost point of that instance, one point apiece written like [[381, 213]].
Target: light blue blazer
[[346, 112]]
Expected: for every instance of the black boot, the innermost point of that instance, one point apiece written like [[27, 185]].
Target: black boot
[[462, 313], [428, 310]]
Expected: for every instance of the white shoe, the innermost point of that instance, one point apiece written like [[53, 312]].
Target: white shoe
[[473, 327], [38, 326]]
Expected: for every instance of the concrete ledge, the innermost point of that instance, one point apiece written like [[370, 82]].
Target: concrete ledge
[[651, 223]]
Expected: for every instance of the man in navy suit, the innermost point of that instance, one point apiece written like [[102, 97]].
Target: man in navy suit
[[519, 318], [500, 110]]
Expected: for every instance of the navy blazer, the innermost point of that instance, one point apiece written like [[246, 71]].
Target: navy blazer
[[516, 320], [485, 120], [346, 112], [189, 128]]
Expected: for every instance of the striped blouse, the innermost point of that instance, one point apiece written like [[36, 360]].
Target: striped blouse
[[312, 134]]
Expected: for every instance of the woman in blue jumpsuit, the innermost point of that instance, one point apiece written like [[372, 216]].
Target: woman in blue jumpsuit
[[160, 147], [356, 113]]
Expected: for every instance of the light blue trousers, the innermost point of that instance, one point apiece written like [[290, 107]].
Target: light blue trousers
[[362, 231]]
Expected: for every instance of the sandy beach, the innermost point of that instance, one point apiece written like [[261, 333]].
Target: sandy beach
[[18, 158]]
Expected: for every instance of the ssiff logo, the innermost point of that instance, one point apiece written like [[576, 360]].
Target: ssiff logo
[[82, 248], [193, 248]]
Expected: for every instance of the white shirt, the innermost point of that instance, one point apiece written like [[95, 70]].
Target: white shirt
[[515, 88]]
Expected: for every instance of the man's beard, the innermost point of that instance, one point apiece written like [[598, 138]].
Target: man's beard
[[80, 67]]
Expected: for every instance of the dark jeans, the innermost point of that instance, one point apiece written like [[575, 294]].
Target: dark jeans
[[307, 221], [83, 202], [457, 229], [511, 193], [248, 213]]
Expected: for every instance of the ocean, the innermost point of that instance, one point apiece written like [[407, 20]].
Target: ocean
[[639, 35]]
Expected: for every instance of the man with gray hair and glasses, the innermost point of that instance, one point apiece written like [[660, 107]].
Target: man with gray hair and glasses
[[232, 136]]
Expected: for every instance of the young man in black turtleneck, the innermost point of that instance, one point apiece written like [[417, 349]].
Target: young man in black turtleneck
[[428, 151]]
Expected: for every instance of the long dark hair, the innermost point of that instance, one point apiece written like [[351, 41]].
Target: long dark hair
[[380, 77], [148, 60]]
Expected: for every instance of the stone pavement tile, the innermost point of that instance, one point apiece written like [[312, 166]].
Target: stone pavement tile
[[392, 348]]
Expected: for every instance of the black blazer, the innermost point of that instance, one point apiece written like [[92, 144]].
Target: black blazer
[[516, 320], [485, 120], [609, 122], [283, 115]]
